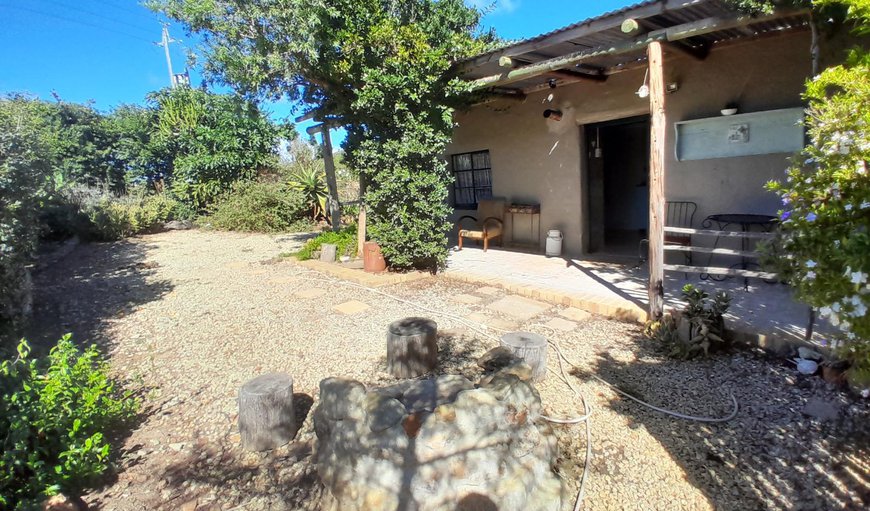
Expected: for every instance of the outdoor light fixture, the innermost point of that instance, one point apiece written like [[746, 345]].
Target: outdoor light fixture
[[643, 91], [552, 83], [555, 115], [672, 87]]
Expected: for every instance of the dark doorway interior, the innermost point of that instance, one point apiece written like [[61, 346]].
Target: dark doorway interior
[[618, 157]]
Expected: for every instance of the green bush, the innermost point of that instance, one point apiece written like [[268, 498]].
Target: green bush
[[54, 415], [258, 206], [345, 241], [114, 218]]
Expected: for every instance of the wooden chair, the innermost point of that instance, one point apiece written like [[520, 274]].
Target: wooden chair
[[677, 214], [491, 227]]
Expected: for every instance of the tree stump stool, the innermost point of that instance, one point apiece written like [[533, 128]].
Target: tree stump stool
[[266, 416], [531, 348], [412, 347]]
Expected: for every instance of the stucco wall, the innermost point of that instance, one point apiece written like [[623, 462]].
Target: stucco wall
[[540, 160]]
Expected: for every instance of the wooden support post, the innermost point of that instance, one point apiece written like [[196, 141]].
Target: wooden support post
[[333, 206], [658, 129], [361, 230]]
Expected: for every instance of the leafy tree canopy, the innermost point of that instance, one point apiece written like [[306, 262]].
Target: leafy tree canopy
[[379, 67], [211, 141]]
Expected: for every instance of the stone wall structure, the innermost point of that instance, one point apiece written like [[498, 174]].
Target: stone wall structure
[[435, 444]]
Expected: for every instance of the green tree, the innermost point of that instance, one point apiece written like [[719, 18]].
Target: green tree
[[380, 68], [824, 245], [212, 141], [24, 177]]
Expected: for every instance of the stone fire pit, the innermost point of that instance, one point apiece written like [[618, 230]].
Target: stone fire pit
[[435, 444]]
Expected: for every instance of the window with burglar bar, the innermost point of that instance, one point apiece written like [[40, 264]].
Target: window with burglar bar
[[472, 179]]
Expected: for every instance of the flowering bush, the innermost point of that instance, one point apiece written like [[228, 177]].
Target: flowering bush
[[824, 246]]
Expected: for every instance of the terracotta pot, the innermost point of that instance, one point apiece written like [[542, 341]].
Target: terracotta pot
[[373, 260]]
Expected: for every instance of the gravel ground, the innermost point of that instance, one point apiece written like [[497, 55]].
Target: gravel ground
[[188, 317]]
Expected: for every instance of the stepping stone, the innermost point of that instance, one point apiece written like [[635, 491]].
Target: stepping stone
[[488, 290], [519, 308], [494, 323], [561, 324], [466, 299], [575, 314], [351, 307], [310, 293]]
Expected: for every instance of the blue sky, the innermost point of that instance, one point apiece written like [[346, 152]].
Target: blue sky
[[102, 50]]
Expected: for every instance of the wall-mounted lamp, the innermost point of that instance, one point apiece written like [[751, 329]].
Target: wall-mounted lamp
[[643, 91], [552, 83], [555, 115], [672, 87]]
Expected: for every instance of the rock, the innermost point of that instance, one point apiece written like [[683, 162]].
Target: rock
[[178, 225], [342, 398], [435, 443], [821, 409], [383, 412], [497, 358], [809, 354]]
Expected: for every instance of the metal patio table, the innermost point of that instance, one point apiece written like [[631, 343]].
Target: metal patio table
[[746, 222]]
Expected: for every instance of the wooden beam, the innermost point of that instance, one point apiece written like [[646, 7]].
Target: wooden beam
[[332, 205], [716, 251], [562, 73], [582, 30], [675, 33], [712, 270], [713, 232], [658, 129]]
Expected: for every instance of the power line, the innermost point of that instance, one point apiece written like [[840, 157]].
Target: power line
[[76, 21], [101, 16]]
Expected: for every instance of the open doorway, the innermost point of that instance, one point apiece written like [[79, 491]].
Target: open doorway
[[618, 184]]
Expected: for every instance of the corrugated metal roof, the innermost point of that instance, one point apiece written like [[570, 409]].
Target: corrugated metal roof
[[569, 27], [603, 31]]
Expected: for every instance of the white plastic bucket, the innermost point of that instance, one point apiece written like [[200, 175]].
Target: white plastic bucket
[[554, 243]]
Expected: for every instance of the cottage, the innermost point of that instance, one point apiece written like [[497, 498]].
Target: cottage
[[568, 123]]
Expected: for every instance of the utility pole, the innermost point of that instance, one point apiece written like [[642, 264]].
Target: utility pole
[[165, 41]]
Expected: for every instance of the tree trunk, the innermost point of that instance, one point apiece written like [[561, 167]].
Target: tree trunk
[[412, 348], [531, 348], [266, 416]]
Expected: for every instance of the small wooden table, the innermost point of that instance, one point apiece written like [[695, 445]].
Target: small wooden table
[[533, 211]]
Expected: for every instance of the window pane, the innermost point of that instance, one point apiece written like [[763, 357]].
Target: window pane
[[464, 180], [465, 196], [482, 178], [481, 160], [483, 193], [462, 162]]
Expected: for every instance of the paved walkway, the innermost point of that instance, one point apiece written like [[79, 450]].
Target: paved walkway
[[765, 313]]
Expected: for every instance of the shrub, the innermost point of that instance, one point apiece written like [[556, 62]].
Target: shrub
[[345, 241], [54, 415], [114, 218], [823, 249], [259, 207]]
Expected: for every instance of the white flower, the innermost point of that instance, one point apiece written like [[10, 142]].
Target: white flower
[[859, 277], [811, 274], [825, 311], [865, 204], [811, 264], [860, 310], [835, 308], [848, 207]]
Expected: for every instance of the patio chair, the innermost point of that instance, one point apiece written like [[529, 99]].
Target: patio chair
[[491, 227], [677, 214]]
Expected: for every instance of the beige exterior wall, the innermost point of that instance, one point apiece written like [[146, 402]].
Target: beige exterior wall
[[538, 160]]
